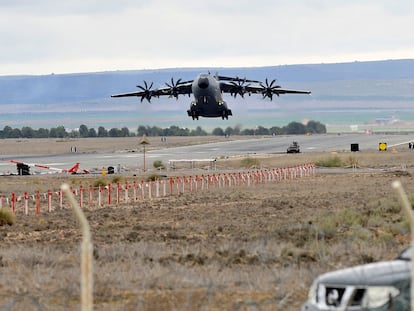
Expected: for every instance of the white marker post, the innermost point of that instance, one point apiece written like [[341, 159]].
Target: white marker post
[[86, 253], [409, 211]]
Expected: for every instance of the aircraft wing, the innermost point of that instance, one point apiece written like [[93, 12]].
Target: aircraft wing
[[147, 94], [275, 90], [236, 79], [140, 93], [237, 86], [171, 90]]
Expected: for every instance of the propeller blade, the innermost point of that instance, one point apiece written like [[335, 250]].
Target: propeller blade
[[173, 88], [239, 87], [268, 88], [147, 91]]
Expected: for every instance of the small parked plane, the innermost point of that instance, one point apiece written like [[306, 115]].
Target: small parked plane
[[207, 90], [24, 168]]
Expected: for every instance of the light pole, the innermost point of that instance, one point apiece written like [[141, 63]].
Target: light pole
[[144, 141]]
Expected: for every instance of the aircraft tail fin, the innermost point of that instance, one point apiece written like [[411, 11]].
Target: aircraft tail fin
[[73, 169]]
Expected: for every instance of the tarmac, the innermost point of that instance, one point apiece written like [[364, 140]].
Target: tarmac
[[130, 161]]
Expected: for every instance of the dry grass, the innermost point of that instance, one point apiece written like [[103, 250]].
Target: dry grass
[[91, 145], [6, 217]]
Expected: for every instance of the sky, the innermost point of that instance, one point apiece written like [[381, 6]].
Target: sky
[[48, 36]]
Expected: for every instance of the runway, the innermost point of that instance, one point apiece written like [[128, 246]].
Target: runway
[[134, 161]]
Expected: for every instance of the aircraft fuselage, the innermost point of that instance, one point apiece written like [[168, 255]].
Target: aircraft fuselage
[[208, 101]]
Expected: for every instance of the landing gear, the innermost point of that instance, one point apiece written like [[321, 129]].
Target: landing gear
[[225, 114], [192, 113]]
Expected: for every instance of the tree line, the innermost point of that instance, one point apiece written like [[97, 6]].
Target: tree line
[[292, 128]]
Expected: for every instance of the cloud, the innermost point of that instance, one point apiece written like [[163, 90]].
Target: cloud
[[70, 7], [90, 35]]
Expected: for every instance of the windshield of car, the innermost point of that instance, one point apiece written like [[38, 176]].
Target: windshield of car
[[405, 254]]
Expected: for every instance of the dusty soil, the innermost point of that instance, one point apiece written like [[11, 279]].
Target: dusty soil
[[244, 248], [107, 144]]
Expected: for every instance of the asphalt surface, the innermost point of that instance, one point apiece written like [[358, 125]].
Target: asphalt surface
[[133, 161]]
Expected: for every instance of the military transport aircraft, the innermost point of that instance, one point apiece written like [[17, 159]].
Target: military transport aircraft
[[207, 90]]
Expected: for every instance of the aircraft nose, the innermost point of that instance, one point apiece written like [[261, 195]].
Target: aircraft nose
[[203, 83]]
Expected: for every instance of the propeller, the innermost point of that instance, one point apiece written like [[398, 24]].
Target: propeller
[[269, 89], [148, 92], [173, 91], [239, 87]]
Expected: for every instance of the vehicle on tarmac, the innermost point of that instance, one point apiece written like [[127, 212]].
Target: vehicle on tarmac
[[378, 286], [293, 148]]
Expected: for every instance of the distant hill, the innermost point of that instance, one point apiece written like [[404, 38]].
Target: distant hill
[[343, 94], [380, 80]]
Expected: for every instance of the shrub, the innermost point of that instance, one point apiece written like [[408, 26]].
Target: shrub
[[351, 161], [326, 227], [117, 179], [158, 165], [76, 181], [334, 161], [6, 217], [383, 207], [352, 218], [153, 177], [329, 223], [249, 163], [99, 182]]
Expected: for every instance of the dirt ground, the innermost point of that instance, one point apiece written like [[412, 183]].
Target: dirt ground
[[90, 145], [244, 248]]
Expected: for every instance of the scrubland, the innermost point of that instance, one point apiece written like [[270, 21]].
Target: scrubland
[[244, 248]]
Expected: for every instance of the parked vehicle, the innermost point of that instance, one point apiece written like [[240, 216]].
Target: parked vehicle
[[293, 148], [376, 286]]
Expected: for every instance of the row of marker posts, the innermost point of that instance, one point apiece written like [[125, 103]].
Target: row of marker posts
[[112, 193]]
